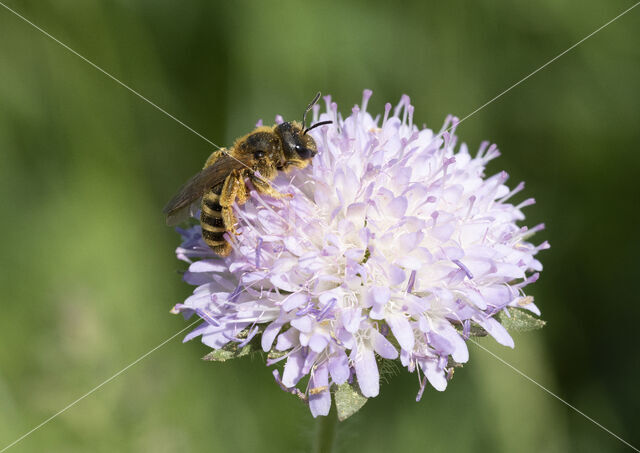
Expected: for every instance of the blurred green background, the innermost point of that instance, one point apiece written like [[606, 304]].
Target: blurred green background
[[88, 273]]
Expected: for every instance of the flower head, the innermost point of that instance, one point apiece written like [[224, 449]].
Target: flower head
[[394, 246]]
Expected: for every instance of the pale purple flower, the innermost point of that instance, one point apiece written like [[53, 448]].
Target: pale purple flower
[[394, 244]]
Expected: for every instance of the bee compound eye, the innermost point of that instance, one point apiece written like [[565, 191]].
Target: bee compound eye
[[258, 154], [304, 153]]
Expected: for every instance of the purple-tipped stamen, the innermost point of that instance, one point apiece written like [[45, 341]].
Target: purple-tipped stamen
[[252, 333], [463, 267], [305, 310], [466, 329], [293, 390], [207, 317], [412, 281], [324, 313], [258, 249], [234, 295]]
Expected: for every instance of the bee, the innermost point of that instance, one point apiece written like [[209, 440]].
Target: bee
[[256, 157]]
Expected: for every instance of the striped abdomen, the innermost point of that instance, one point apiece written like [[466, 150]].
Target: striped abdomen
[[212, 223]]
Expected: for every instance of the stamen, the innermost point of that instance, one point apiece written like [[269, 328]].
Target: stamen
[[472, 200], [207, 317], [492, 152], [305, 310], [524, 301], [525, 203], [410, 110], [234, 295], [252, 333], [327, 308], [544, 246], [176, 308], [232, 338], [270, 362], [449, 373], [518, 188], [412, 280], [482, 149], [423, 384], [466, 329], [405, 101], [538, 227], [463, 267], [387, 109], [317, 390], [366, 95], [258, 248], [293, 390]]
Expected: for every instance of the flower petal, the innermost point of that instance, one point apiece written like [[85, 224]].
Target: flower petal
[[319, 396], [402, 330], [367, 372], [294, 301], [269, 334], [497, 331], [339, 367], [434, 374], [382, 346], [293, 369]]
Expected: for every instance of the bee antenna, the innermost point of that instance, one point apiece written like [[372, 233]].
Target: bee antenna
[[309, 107], [320, 123]]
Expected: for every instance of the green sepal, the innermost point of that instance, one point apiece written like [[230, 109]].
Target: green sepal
[[273, 354], [388, 368], [477, 331], [519, 320], [348, 400], [229, 351], [474, 330]]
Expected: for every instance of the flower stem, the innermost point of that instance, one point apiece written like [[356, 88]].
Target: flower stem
[[326, 433]]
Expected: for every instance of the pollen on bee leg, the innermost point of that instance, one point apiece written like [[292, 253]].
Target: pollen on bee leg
[[229, 219], [241, 192], [264, 188]]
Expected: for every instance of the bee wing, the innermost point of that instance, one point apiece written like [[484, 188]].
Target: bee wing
[[183, 214], [182, 204]]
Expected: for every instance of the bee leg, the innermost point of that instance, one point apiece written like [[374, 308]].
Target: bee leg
[[265, 188], [241, 195], [233, 186], [229, 219]]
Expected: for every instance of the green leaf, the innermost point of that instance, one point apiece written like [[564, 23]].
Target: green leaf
[[348, 400], [519, 320], [230, 351]]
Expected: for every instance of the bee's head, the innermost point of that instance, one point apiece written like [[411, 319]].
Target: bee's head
[[298, 146]]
